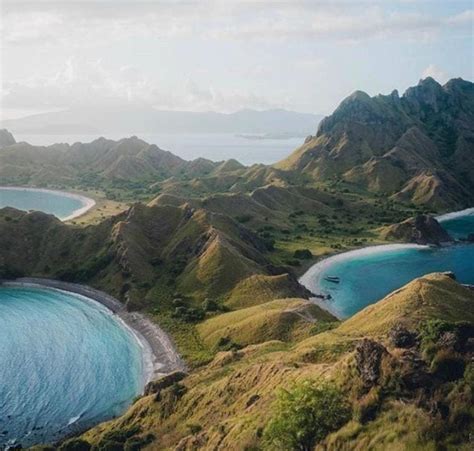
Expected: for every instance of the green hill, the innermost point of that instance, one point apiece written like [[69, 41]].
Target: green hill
[[382, 360], [283, 319]]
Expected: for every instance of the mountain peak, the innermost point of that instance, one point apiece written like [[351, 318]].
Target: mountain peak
[[428, 81]]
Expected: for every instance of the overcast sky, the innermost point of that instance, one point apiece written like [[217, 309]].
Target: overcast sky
[[225, 55]]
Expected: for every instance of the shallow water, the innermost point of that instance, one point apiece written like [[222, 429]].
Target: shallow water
[[66, 364], [459, 224], [55, 203], [368, 276]]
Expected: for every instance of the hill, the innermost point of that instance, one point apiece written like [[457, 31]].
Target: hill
[[94, 164], [144, 119], [402, 365], [416, 148], [283, 319], [166, 260]]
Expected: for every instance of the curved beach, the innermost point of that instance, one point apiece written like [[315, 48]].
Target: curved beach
[[159, 353], [346, 283], [456, 214], [87, 202], [313, 273]]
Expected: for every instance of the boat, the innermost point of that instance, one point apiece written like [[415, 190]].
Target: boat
[[333, 279]]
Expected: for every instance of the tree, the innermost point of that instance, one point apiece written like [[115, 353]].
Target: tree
[[304, 415]]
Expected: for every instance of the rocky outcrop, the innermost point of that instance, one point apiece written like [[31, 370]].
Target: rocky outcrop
[[422, 229], [401, 337], [6, 138], [369, 354], [154, 387]]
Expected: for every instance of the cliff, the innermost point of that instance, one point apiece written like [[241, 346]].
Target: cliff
[[422, 229]]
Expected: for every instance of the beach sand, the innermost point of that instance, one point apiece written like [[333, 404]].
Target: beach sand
[[87, 202]]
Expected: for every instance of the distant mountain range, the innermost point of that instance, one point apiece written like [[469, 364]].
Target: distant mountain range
[[417, 148], [136, 120]]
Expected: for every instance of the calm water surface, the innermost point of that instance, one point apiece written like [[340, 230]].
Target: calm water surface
[[55, 203], [369, 274], [66, 364]]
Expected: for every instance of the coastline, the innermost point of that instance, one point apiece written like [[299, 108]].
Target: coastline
[[159, 354], [311, 278], [87, 202], [455, 214]]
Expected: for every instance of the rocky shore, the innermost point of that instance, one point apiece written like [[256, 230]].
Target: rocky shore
[[159, 352]]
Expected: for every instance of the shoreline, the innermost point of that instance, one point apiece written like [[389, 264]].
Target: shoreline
[[455, 214], [313, 274], [87, 202], [159, 354]]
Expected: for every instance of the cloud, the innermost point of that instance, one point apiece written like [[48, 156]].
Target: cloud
[[436, 73], [89, 83], [82, 23]]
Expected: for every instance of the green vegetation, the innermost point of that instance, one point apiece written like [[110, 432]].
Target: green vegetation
[[234, 397], [213, 251], [304, 415]]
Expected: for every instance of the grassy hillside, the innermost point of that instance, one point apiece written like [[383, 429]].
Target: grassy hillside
[[283, 319], [165, 260], [229, 403]]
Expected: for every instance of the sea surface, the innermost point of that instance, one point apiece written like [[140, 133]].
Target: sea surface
[[367, 275], [56, 203], [458, 224], [213, 146], [66, 364]]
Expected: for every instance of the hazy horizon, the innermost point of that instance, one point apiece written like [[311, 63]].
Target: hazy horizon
[[224, 56]]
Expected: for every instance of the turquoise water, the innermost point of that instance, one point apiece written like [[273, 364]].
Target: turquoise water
[[66, 363], [459, 225], [53, 203], [369, 274]]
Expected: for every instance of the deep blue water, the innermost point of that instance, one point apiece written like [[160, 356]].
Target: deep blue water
[[65, 363], [49, 202], [369, 274]]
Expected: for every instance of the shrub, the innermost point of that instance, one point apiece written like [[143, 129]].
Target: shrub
[[448, 366], [75, 444], [303, 254], [108, 445], [305, 415], [210, 305], [121, 435], [366, 409], [243, 218], [431, 330], [194, 428], [137, 443], [226, 344]]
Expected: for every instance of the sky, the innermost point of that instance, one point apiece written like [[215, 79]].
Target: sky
[[225, 55]]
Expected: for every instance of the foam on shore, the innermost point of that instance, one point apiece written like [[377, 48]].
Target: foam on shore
[[456, 214], [87, 202], [311, 279]]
